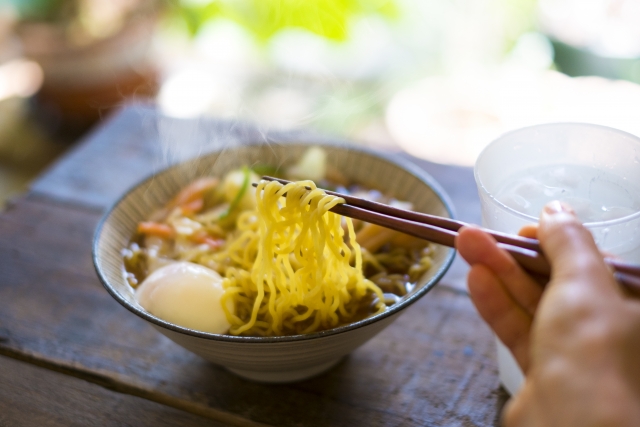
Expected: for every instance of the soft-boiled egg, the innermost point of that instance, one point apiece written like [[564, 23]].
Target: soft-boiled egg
[[186, 294]]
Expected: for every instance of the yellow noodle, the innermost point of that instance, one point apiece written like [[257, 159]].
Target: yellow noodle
[[300, 277]]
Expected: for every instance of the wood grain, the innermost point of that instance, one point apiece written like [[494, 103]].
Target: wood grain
[[130, 146], [138, 141], [34, 396], [434, 365]]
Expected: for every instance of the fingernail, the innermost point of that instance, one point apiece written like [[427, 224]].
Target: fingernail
[[557, 206]]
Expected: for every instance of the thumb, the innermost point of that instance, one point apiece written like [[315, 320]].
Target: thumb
[[571, 250]]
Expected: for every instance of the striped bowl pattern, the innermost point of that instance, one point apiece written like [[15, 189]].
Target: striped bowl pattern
[[273, 359]]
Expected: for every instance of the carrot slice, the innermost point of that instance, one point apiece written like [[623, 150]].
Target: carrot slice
[[156, 229], [194, 191], [193, 206], [214, 243], [208, 240]]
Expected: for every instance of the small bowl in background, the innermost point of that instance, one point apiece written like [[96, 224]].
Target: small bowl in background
[[269, 359]]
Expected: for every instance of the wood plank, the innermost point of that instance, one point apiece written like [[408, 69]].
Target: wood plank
[[129, 146], [138, 140], [34, 396], [435, 365]]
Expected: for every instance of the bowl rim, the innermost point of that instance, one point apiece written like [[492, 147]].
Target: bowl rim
[[389, 157]]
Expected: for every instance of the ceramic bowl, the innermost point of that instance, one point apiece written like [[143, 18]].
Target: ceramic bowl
[[273, 359]]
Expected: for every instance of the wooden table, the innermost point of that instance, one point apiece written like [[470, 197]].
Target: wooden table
[[71, 355]]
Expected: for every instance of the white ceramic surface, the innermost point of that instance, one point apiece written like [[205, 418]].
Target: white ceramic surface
[[273, 359]]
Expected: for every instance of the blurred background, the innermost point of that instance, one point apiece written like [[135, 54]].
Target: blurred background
[[437, 78]]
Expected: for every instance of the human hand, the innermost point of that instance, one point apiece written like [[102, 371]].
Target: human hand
[[577, 339]]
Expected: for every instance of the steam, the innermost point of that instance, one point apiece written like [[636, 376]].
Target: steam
[[301, 85], [189, 139]]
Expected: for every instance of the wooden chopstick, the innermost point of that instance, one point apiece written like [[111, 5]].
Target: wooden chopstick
[[438, 221], [532, 261], [443, 231], [623, 267], [427, 227]]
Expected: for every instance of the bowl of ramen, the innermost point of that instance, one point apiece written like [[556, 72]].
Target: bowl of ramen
[[265, 280]]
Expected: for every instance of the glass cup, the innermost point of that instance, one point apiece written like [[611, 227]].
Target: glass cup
[[580, 155]]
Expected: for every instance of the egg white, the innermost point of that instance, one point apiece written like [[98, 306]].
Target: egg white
[[187, 295]]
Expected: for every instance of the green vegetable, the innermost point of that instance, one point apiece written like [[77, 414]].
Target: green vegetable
[[239, 195], [268, 170]]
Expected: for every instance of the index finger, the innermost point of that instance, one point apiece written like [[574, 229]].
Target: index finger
[[572, 252]]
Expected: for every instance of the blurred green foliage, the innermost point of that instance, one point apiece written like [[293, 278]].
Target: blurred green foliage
[[44, 10], [263, 18]]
